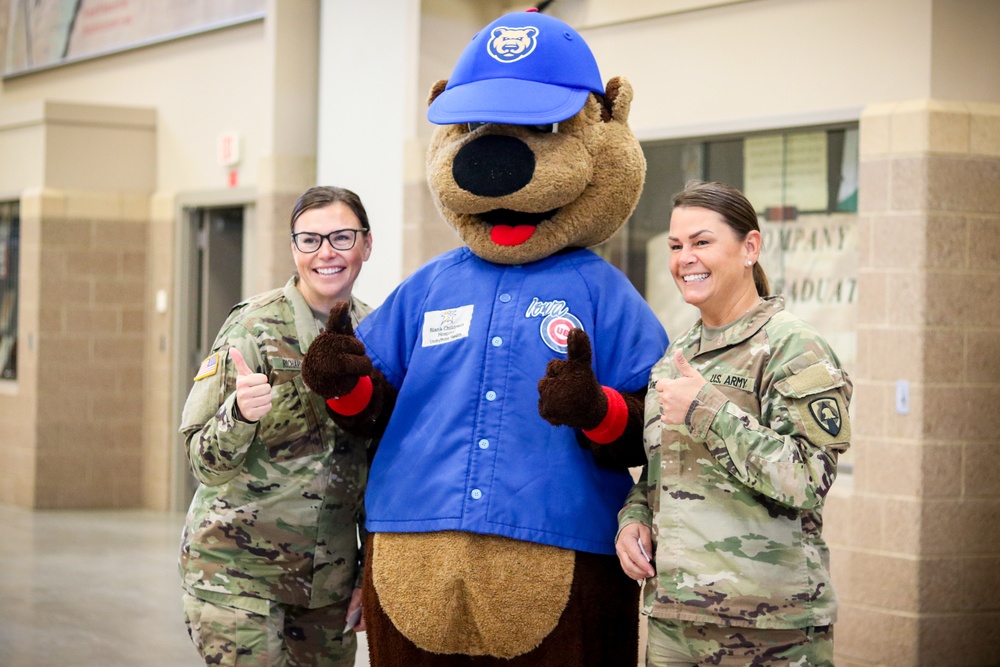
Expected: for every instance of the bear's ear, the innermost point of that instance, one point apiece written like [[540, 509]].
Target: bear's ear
[[617, 100], [436, 90]]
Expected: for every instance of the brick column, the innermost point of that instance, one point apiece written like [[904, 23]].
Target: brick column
[[91, 279], [916, 541]]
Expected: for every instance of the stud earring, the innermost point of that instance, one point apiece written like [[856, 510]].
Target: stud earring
[[749, 262]]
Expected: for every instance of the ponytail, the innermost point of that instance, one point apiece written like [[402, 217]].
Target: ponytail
[[760, 280]]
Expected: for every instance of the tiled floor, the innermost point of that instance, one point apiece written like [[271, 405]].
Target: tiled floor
[[93, 589]]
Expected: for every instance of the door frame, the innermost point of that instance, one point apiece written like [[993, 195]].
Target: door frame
[[182, 290]]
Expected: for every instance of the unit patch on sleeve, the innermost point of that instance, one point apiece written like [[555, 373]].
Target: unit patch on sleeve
[[826, 412]]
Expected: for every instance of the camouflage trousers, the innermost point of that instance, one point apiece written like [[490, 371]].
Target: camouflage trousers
[[683, 644], [286, 637]]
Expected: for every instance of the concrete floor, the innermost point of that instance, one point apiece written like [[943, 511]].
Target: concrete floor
[[93, 589]]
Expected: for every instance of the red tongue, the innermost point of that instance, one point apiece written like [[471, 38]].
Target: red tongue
[[508, 235]]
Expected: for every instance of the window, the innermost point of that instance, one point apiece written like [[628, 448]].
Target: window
[[9, 240]]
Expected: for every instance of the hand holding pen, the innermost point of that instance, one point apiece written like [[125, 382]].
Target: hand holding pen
[[635, 542]]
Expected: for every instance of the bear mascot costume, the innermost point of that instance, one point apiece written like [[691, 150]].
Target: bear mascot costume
[[506, 378]]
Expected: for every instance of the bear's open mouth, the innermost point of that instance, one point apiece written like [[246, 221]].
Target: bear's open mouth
[[505, 216], [511, 228]]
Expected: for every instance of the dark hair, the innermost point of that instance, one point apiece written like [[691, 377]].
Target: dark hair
[[734, 208], [322, 196]]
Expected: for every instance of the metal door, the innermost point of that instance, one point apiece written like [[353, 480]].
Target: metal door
[[211, 287]]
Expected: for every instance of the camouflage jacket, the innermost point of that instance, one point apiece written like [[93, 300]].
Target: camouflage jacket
[[735, 496], [277, 513]]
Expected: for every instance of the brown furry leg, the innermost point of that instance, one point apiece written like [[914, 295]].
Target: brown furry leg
[[600, 626], [387, 647]]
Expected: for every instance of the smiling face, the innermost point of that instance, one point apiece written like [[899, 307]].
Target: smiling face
[[709, 263], [518, 193], [327, 275]]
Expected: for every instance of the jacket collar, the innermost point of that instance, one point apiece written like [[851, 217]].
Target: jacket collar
[[739, 331]]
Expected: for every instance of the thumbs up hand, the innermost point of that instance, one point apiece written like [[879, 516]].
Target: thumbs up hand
[[336, 359], [253, 391], [569, 394], [339, 319], [675, 396]]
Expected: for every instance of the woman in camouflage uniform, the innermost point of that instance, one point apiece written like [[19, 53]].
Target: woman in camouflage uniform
[[269, 556], [742, 438]]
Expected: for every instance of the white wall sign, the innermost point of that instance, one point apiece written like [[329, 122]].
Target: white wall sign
[[228, 149]]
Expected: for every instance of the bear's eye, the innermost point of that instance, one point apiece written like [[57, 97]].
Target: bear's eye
[[547, 128]]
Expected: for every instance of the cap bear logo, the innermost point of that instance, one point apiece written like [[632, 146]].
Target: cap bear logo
[[511, 44]]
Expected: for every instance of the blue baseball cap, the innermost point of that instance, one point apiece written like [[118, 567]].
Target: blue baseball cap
[[525, 68]]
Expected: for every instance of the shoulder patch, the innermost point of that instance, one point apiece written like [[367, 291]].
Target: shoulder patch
[[826, 412], [209, 367]]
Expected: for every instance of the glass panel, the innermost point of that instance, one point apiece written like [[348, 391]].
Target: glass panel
[[724, 162], [47, 33], [9, 256]]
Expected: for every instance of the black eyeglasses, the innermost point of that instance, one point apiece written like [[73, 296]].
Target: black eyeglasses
[[339, 239]]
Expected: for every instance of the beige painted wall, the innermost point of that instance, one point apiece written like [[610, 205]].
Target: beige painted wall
[[965, 50], [762, 63], [200, 86]]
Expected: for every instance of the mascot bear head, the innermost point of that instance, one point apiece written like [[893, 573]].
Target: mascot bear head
[[533, 155]]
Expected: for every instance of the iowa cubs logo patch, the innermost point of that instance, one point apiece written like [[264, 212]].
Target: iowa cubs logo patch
[[556, 323], [509, 45]]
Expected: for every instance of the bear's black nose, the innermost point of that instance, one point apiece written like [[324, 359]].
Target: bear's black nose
[[493, 166]]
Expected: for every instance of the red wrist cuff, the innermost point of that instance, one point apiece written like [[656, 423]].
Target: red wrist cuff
[[355, 401], [614, 422]]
